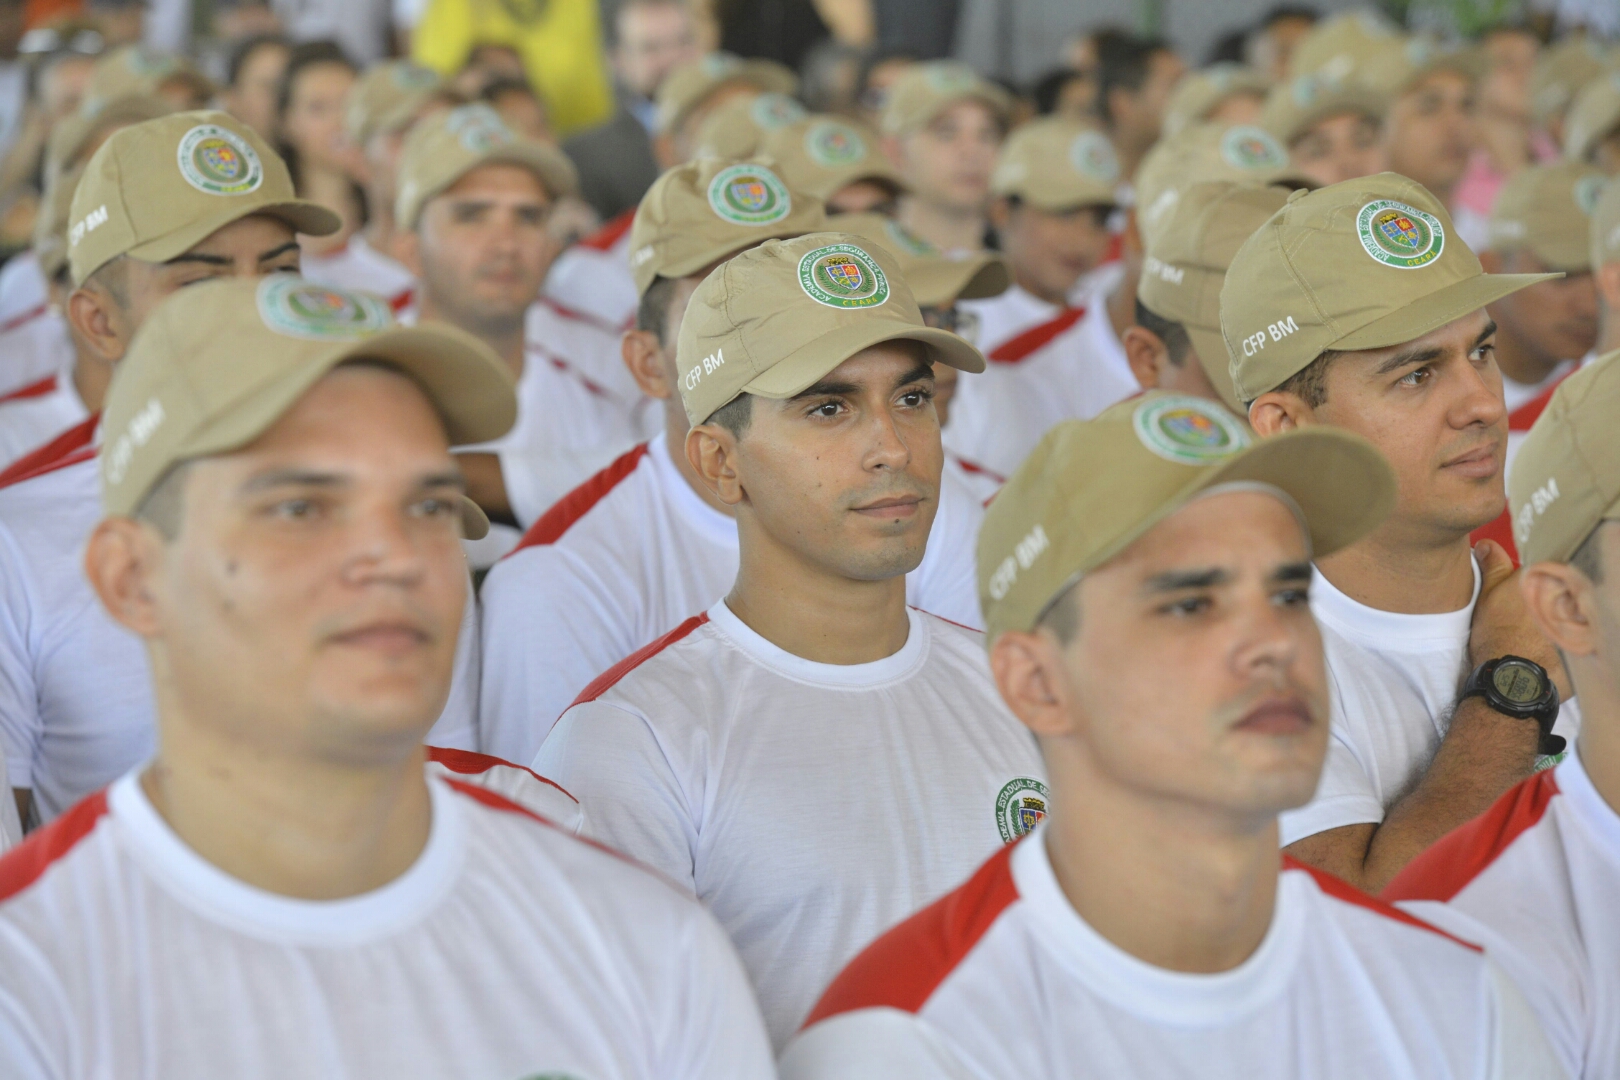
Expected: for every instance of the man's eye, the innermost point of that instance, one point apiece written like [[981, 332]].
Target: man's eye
[[827, 409], [1191, 605], [294, 509], [437, 508], [1294, 598], [916, 399], [1416, 378], [1483, 353]]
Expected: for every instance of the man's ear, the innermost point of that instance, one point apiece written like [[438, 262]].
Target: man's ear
[[1028, 669], [122, 561], [1146, 353], [408, 250], [711, 450], [1277, 411], [643, 354], [1564, 605], [98, 322]]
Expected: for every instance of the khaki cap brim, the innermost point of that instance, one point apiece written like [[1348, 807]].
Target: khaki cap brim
[[302, 216], [813, 362], [944, 281], [1211, 349], [1435, 310]]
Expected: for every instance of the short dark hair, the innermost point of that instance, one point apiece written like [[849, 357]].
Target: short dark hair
[[303, 55], [1062, 615], [1309, 383], [1047, 90], [1173, 334], [1122, 64], [244, 50], [112, 278], [505, 84], [734, 415], [652, 314], [163, 505], [1588, 558]]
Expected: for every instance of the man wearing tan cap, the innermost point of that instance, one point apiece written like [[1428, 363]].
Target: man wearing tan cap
[[1333, 128], [1054, 191], [690, 93], [809, 756], [1562, 70], [942, 125], [382, 106], [1150, 625], [1592, 128], [737, 128], [1429, 129], [839, 161], [1533, 879], [1176, 343], [643, 544], [1200, 153], [283, 533], [1357, 306], [1224, 93], [473, 204]]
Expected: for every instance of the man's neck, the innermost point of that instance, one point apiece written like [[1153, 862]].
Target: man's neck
[[1171, 884], [814, 613], [946, 227], [293, 826], [1517, 361], [379, 230], [1389, 573], [505, 336], [91, 376], [1035, 289], [675, 430]]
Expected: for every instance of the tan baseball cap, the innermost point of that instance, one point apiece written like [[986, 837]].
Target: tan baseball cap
[[778, 317], [1200, 152], [1547, 210], [1057, 164], [1186, 263], [71, 137], [387, 97], [1294, 107], [1396, 69], [690, 85], [1339, 46], [928, 89], [1604, 236], [1363, 264], [1560, 73], [49, 242], [218, 363], [1566, 477], [1060, 516], [1593, 116], [820, 155], [135, 69], [442, 149], [740, 126], [707, 210], [156, 189], [1200, 92], [936, 280]]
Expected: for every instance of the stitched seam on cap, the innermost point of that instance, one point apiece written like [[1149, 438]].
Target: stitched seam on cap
[[1310, 294]]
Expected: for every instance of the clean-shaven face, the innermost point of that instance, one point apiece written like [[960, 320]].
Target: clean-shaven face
[[949, 161], [483, 246]]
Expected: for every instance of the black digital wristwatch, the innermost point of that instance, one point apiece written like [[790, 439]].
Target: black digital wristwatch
[[1521, 689]]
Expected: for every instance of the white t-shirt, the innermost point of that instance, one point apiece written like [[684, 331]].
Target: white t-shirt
[[983, 482], [1392, 682], [594, 353], [1046, 364], [508, 949], [22, 287], [33, 346], [623, 560], [593, 277], [1004, 979], [809, 806], [1535, 879], [35, 414], [358, 265], [10, 825], [76, 706]]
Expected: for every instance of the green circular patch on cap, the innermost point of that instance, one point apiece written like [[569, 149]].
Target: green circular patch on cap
[[772, 111], [479, 128], [1093, 155], [843, 276], [290, 305], [749, 195], [830, 144], [1020, 807], [952, 78], [718, 63], [908, 241], [218, 161], [1399, 235], [1188, 430], [1247, 147], [410, 76], [1588, 189]]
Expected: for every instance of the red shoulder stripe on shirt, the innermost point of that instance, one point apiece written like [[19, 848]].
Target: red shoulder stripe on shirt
[[577, 503], [1017, 348], [903, 967], [68, 448], [609, 678], [26, 317], [1460, 856], [27, 862], [32, 390], [468, 763], [1525, 416], [1501, 530], [608, 235], [1343, 890], [402, 300]]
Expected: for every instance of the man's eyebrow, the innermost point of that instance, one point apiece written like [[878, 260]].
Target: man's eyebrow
[[826, 388], [1417, 357], [1299, 571], [313, 478], [923, 372], [199, 257], [276, 253], [1175, 580]]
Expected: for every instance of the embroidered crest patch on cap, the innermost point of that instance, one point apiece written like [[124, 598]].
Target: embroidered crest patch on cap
[[414, 77], [1188, 430], [1020, 807], [219, 161], [1588, 189], [749, 195], [479, 128], [772, 111], [830, 144], [290, 305], [843, 276], [952, 78], [1399, 235], [1092, 155], [1246, 147]]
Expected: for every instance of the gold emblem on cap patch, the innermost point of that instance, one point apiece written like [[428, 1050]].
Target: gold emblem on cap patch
[[290, 305], [843, 276], [218, 161], [1188, 430], [1399, 235]]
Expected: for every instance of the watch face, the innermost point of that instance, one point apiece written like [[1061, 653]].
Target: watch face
[[1518, 682]]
